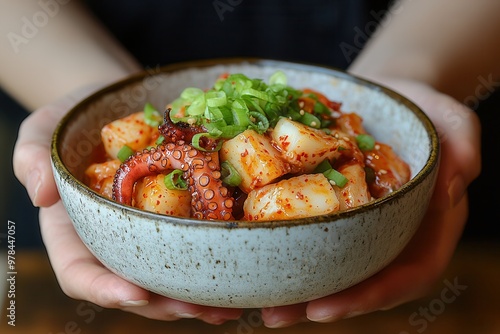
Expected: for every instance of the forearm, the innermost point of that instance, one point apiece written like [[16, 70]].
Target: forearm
[[48, 52], [450, 44]]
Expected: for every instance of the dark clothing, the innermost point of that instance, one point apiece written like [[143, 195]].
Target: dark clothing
[[328, 32]]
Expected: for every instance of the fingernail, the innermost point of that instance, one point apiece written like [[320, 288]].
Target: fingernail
[[352, 314], [456, 190], [187, 315], [134, 303], [33, 185], [324, 318], [279, 324]]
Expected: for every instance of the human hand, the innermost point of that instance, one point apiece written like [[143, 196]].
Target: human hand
[[79, 273], [413, 274]]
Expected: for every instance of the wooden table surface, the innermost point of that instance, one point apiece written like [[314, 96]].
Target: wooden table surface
[[42, 308]]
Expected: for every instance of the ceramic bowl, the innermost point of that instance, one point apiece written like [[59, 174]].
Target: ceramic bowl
[[246, 264]]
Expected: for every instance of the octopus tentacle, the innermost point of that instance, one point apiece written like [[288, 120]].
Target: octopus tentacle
[[210, 199], [174, 132]]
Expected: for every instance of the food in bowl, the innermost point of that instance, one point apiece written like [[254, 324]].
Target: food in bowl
[[242, 263], [245, 150]]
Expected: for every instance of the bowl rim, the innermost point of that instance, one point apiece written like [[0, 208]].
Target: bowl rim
[[431, 163]]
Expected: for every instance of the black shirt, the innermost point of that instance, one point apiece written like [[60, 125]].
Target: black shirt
[[329, 32]]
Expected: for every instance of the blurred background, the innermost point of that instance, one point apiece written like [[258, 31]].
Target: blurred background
[[475, 266]]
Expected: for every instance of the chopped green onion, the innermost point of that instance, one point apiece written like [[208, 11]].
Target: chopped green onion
[[236, 103], [191, 93], [124, 153], [195, 141], [255, 93], [160, 140], [365, 142], [174, 180], [323, 167], [197, 106], [230, 175], [151, 116], [336, 177], [278, 78], [216, 98], [320, 108], [240, 113], [310, 120], [261, 123]]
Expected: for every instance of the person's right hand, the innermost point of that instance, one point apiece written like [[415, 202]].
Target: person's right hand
[[80, 275]]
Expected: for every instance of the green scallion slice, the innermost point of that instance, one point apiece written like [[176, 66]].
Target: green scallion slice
[[336, 177], [323, 167], [160, 140], [278, 78], [195, 141], [151, 116], [365, 142], [174, 180], [124, 153], [230, 175], [310, 120]]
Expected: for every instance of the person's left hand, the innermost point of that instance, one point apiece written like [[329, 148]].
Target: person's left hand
[[413, 274], [80, 275]]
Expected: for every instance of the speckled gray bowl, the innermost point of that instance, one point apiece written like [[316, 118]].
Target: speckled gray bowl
[[243, 264]]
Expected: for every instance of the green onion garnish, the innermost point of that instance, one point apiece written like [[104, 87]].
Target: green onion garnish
[[323, 167], [195, 141], [124, 153], [365, 142], [236, 103], [230, 175], [174, 180], [160, 140], [151, 116], [310, 120], [336, 177]]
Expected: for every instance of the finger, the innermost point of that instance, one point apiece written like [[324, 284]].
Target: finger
[[409, 277], [163, 308], [284, 316], [78, 272], [459, 132], [31, 160]]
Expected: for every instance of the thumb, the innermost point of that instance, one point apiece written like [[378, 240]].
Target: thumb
[[459, 132], [31, 158]]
